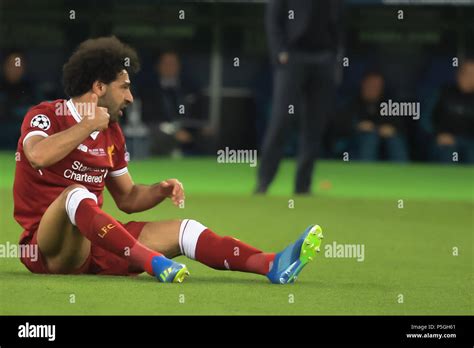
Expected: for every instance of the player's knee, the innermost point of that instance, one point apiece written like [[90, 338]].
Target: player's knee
[[70, 188], [64, 196], [73, 196]]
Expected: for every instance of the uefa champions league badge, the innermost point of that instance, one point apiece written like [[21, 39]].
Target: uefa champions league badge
[[41, 121]]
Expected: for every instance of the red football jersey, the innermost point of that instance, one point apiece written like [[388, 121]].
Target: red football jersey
[[100, 156]]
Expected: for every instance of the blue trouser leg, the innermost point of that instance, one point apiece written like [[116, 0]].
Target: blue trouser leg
[[396, 148], [368, 145], [466, 147]]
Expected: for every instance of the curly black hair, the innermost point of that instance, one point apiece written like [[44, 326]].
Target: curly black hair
[[97, 59]]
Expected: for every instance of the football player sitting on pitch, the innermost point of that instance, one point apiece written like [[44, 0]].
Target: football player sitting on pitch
[[70, 150]]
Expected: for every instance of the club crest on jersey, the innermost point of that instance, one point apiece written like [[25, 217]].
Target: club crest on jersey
[[41, 121], [110, 152]]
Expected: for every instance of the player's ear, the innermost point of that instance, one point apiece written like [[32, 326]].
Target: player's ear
[[99, 88]]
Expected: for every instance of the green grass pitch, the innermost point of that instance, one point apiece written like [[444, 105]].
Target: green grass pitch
[[422, 251]]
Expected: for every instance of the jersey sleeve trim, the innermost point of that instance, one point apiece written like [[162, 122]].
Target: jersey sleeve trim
[[119, 172], [33, 133]]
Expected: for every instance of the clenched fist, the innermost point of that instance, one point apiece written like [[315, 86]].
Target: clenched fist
[[96, 118]]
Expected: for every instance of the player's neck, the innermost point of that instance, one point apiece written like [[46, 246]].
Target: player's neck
[[82, 103]]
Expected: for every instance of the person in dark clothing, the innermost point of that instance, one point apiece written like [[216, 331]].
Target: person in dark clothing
[[165, 107], [453, 118], [305, 37], [16, 96], [372, 130]]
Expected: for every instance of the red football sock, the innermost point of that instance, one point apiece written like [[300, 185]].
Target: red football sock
[[103, 230], [230, 253]]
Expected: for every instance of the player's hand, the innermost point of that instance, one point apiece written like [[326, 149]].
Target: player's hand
[[173, 189], [96, 118]]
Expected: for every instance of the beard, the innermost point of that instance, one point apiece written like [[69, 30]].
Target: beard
[[116, 114], [115, 111]]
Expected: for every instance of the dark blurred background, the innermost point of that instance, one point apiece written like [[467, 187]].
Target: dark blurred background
[[193, 95]]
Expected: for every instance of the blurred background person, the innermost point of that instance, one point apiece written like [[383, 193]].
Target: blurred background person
[[16, 96], [167, 98], [304, 38], [373, 131], [453, 117]]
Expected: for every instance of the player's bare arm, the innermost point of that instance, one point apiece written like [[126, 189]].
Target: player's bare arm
[[43, 152], [133, 198]]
